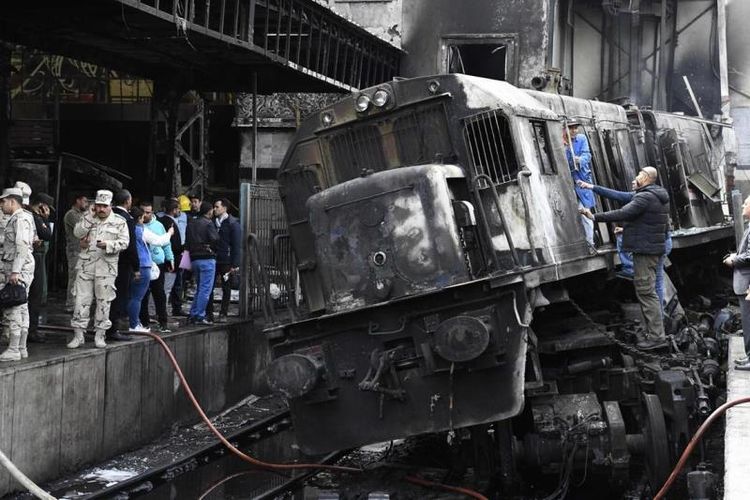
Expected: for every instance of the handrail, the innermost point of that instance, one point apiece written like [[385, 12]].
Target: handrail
[[506, 229]]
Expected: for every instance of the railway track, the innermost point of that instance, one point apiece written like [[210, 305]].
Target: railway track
[[259, 435]]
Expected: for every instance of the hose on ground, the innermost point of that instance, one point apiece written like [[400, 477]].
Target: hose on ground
[[454, 489], [267, 465], [23, 479], [240, 454], [661, 494]]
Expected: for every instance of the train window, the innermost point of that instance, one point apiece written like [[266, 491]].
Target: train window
[[355, 150], [541, 147], [490, 144], [422, 136]]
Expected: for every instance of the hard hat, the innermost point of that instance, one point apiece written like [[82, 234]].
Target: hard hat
[[184, 202]]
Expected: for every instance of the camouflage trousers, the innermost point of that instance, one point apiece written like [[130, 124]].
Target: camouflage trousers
[[16, 319], [86, 290], [72, 255]]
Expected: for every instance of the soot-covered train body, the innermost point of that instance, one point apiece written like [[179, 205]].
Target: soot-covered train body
[[430, 218]]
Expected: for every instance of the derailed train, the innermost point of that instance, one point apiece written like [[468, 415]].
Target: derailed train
[[449, 285]]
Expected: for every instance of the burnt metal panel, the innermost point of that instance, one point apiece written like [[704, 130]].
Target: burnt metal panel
[[387, 235]]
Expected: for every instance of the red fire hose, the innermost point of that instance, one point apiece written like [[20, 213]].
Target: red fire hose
[[268, 465], [694, 441]]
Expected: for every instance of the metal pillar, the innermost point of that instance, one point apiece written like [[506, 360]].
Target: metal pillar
[[245, 270], [634, 80], [661, 101], [194, 153], [729, 139], [255, 128]]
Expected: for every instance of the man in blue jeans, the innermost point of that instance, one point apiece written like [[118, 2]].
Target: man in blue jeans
[[202, 240], [626, 258]]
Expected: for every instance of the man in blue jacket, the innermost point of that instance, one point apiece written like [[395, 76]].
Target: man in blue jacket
[[227, 254], [645, 219], [579, 160]]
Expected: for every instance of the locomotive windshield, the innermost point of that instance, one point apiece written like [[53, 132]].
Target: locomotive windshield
[[412, 136]]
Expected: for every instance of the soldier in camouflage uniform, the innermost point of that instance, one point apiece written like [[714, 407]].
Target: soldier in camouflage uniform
[[103, 235], [18, 267]]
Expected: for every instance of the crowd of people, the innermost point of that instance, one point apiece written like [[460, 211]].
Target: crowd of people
[[120, 256]]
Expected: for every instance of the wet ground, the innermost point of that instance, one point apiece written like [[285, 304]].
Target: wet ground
[[169, 449]]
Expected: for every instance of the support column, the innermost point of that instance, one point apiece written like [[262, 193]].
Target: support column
[[729, 139], [634, 80], [163, 155], [255, 128], [661, 100]]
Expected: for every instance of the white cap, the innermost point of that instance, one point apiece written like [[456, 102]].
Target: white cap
[[103, 197], [11, 192], [25, 190]]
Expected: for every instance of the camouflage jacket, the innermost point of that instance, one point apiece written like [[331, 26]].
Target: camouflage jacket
[[18, 244], [113, 231]]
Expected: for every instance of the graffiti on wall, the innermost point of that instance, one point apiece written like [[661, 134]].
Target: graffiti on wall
[[41, 77]]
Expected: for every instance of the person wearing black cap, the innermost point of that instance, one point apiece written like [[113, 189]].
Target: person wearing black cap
[[41, 206]]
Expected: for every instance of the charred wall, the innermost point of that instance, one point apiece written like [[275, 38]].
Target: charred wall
[[427, 24]]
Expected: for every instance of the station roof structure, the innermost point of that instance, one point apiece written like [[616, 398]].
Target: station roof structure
[[209, 45]]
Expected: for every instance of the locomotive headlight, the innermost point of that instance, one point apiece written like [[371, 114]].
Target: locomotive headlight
[[380, 98], [362, 103], [326, 118]]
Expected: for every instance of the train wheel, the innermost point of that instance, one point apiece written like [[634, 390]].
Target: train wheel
[[657, 446]]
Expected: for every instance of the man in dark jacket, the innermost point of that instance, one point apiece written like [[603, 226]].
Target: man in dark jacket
[[202, 240], [740, 263], [227, 255], [173, 283], [127, 265], [645, 219], [41, 205]]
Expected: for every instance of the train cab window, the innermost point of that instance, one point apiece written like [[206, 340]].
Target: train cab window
[[490, 145], [541, 147]]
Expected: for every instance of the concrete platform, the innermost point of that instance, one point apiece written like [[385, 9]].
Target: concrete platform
[[737, 433], [61, 409]]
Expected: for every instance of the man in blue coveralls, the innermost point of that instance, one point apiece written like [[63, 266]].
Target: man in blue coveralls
[[579, 160]]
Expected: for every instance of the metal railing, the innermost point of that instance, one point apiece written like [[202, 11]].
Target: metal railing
[[269, 263], [299, 33]]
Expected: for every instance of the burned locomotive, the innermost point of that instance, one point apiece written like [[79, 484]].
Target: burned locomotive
[[439, 248]]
